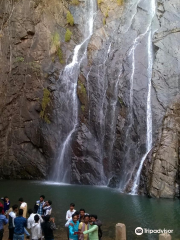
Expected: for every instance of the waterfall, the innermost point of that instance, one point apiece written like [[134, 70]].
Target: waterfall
[[68, 98], [149, 110]]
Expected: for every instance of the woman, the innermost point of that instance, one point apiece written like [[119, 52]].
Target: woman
[[93, 231]]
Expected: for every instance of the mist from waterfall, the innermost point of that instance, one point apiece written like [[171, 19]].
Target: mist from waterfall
[[68, 96]]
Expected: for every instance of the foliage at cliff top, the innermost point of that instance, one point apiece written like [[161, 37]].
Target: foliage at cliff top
[[44, 104], [75, 2], [68, 35], [70, 19]]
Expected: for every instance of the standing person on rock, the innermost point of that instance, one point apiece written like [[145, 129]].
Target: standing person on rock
[[38, 207], [3, 221], [23, 206], [12, 216]]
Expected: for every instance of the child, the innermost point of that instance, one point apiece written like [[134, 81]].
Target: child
[[70, 212]]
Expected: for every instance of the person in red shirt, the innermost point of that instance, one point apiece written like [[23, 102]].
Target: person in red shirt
[[1, 205]]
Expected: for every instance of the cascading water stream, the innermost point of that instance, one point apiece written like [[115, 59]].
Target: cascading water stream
[[69, 78], [149, 110], [127, 172]]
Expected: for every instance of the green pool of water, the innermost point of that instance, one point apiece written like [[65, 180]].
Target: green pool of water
[[110, 205]]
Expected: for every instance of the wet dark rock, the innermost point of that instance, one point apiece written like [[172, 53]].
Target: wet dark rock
[[114, 182]]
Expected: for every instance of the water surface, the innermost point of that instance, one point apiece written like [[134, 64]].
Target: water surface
[[110, 205]]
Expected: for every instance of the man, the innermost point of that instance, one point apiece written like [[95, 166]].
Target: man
[[69, 222], [84, 226], [38, 208], [70, 212], [30, 220], [20, 224], [47, 228], [6, 203], [23, 206], [3, 221], [12, 216], [92, 232], [96, 221], [82, 214], [47, 209], [74, 228], [36, 229]]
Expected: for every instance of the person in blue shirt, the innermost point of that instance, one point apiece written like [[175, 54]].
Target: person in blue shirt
[[20, 223], [6, 203], [38, 207], [3, 221], [73, 228]]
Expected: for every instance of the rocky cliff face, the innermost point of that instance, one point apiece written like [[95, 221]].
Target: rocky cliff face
[[37, 41], [160, 176], [30, 62], [161, 170]]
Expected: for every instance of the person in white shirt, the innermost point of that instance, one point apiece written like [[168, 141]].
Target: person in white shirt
[[36, 232], [23, 205], [47, 209], [30, 220], [70, 212], [12, 216]]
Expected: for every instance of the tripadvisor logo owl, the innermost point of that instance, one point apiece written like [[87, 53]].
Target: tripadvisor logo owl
[[138, 231]]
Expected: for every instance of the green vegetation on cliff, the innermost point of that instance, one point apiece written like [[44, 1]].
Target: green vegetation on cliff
[[60, 55], [120, 2], [70, 19], [19, 59], [45, 101], [68, 35], [56, 44], [75, 2]]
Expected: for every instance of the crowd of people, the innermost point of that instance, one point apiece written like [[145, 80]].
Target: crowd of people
[[80, 225]]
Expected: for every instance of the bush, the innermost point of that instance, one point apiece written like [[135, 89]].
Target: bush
[[70, 19], [19, 59], [68, 35], [120, 2], [56, 40], [44, 104], [60, 55], [75, 2]]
